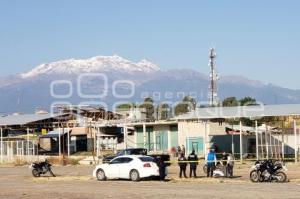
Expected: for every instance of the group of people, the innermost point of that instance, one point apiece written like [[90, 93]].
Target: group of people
[[183, 162], [211, 159], [227, 161]]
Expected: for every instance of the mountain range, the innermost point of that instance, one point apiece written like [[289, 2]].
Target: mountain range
[[108, 80]]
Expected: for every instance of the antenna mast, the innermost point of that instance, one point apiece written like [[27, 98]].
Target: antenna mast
[[213, 96]]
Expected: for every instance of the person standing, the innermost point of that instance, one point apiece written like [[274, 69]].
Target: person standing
[[216, 149], [193, 165], [183, 150], [211, 163], [230, 164], [182, 165], [224, 163], [162, 168], [178, 151]]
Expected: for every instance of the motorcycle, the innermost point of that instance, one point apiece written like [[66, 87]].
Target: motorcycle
[[268, 170], [39, 168]]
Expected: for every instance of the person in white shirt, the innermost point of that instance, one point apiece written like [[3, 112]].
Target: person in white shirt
[[230, 164]]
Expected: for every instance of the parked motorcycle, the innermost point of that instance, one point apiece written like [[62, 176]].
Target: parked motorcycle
[[39, 168], [268, 170]]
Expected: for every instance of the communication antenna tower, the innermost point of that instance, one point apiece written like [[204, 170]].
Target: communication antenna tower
[[213, 95]]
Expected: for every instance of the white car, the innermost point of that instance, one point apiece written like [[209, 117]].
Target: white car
[[133, 167]]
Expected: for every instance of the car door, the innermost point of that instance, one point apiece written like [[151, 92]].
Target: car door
[[125, 167], [112, 170]]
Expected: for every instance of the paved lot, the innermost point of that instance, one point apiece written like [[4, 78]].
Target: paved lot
[[76, 182]]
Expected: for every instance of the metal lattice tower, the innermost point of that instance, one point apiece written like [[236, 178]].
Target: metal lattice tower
[[213, 96]]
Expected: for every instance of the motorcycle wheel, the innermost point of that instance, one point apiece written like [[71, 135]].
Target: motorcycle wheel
[[51, 172], [255, 176], [280, 176], [35, 173]]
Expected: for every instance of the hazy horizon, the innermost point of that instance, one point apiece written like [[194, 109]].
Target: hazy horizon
[[256, 39]]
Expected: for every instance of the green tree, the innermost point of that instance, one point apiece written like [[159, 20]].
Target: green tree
[[125, 107], [188, 104], [230, 101], [248, 101], [149, 107], [163, 111]]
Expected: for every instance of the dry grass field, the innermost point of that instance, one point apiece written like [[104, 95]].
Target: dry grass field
[[76, 182]]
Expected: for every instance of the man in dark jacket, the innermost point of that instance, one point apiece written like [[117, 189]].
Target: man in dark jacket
[[162, 168], [193, 164], [182, 165]]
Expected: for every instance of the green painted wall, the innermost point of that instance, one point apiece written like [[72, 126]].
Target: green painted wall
[[149, 138], [162, 141], [174, 136], [195, 143], [140, 137]]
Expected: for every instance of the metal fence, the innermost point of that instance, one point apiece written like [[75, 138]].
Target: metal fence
[[10, 150]]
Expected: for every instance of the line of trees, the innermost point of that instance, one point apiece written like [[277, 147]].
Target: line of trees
[[163, 110]]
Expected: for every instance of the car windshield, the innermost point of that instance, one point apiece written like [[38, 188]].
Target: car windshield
[[146, 159]]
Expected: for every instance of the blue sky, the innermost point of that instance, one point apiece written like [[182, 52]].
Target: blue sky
[[257, 39]]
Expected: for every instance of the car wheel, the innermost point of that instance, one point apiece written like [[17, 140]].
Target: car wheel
[[100, 175], [134, 175]]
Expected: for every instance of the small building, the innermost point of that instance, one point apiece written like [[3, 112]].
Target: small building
[[262, 143], [19, 133], [166, 136], [49, 143]]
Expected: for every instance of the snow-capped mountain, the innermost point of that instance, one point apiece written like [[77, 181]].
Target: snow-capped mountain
[[95, 64], [26, 91]]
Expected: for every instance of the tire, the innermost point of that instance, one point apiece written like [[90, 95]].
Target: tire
[[205, 168], [255, 176], [100, 175], [35, 173], [134, 175], [51, 172], [281, 176]]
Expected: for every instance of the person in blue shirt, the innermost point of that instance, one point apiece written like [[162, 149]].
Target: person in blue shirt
[[211, 163]]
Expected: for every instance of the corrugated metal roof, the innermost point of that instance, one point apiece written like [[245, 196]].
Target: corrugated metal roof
[[23, 119], [55, 134], [242, 111]]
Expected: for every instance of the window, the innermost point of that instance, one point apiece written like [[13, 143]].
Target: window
[[121, 160], [146, 159], [126, 160]]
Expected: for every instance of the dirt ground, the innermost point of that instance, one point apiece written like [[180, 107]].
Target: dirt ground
[[76, 182]]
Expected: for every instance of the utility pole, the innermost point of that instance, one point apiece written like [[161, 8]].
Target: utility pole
[[213, 78]]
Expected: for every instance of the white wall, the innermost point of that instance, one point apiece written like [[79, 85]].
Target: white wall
[[190, 129]]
